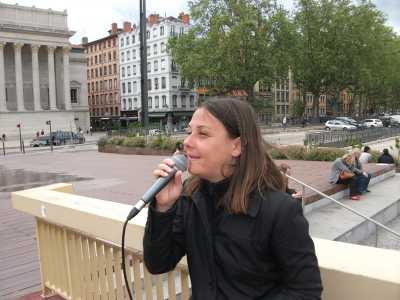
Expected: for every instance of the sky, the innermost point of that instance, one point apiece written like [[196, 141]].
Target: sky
[[93, 18]]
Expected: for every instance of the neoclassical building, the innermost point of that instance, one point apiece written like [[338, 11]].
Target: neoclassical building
[[42, 76]]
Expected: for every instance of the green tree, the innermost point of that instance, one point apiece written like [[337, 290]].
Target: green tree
[[233, 44], [298, 108]]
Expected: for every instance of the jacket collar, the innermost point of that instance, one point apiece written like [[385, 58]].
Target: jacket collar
[[256, 199]]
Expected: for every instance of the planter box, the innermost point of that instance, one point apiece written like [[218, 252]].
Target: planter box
[[133, 150]]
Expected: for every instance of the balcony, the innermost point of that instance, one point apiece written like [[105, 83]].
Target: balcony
[[78, 242]]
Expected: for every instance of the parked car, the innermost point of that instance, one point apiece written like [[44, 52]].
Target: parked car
[[368, 123], [349, 121], [155, 132], [338, 125], [59, 138], [40, 141], [394, 121]]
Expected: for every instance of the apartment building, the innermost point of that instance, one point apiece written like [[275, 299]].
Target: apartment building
[[171, 102], [103, 79]]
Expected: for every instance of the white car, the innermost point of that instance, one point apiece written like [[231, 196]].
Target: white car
[[155, 132], [338, 125], [368, 123]]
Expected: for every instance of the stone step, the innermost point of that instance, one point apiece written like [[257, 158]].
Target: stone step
[[334, 222]]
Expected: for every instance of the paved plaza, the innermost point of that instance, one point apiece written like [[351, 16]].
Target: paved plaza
[[112, 177]]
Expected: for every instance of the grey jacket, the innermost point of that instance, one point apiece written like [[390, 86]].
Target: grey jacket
[[337, 167]]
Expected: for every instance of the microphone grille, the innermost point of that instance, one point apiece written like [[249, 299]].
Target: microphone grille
[[181, 161]]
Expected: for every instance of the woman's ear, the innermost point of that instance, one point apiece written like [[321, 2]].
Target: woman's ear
[[236, 147]]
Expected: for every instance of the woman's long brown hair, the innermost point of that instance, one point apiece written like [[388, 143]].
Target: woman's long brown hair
[[254, 169]]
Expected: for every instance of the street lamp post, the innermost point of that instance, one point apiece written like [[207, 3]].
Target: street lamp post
[[4, 147], [143, 66], [51, 137], [21, 145]]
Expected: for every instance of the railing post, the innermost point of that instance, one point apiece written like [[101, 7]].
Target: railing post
[[70, 290]]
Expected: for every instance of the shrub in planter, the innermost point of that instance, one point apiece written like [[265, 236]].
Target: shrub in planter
[[137, 141], [295, 152], [116, 140], [277, 154], [375, 155], [102, 142], [324, 154], [162, 142]]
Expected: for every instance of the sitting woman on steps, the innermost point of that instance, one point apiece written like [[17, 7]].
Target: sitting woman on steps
[[341, 173]]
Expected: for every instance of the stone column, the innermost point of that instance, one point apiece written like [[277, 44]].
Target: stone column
[[3, 103], [35, 77], [52, 80], [19, 83], [67, 92]]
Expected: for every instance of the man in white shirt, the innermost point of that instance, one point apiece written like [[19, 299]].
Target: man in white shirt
[[365, 157]]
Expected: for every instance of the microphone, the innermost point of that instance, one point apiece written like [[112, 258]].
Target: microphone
[[181, 162]]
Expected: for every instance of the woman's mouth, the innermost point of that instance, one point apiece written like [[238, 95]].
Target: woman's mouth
[[193, 157]]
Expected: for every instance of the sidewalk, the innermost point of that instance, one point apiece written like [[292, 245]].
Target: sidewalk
[[14, 143]]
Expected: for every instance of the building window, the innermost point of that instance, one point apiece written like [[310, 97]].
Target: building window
[[156, 83], [191, 101], [123, 88], [150, 102], [162, 30], [105, 70], [110, 69], [181, 30], [164, 101], [115, 69], [134, 69], [133, 39], [133, 54], [129, 87], [149, 84], [162, 47], [115, 83], [148, 67], [154, 32], [128, 71], [148, 50], [122, 42], [162, 64], [127, 40], [123, 71], [163, 83], [183, 101], [124, 103], [155, 65], [130, 103], [74, 95], [135, 86], [122, 56], [110, 84], [128, 55], [157, 100], [172, 30], [155, 50], [114, 55], [147, 34], [174, 101]]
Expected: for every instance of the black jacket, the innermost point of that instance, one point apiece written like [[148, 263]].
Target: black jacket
[[385, 159], [266, 254]]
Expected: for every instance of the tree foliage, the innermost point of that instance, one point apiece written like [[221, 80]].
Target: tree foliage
[[331, 46], [233, 44]]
